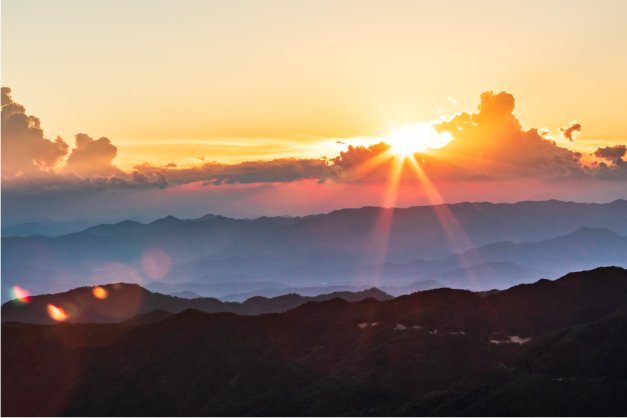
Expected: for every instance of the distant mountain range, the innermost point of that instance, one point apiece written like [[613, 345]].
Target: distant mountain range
[[551, 348], [478, 246], [43, 228], [124, 300]]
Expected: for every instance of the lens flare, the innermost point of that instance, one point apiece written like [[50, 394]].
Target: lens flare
[[20, 295], [57, 313], [100, 292], [156, 263]]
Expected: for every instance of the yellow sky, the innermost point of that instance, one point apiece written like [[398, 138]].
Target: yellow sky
[[229, 81]]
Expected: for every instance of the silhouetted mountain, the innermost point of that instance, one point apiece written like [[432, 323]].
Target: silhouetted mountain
[[412, 288], [124, 301], [186, 294], [243, 290], [316, 291], [547, 348], [148, 317], [337, 248]]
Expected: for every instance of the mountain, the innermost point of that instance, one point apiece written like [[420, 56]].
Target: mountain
[[460, 273], [551, 348], [503, 264], [186, 294], [123, 301], [486, 276], [338, 248], [324, 290], [582, 248], [43, 228], [223, 289]]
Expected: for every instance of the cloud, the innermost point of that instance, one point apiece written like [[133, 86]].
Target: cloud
[[489, 143], [282, 170], [92, 157], [355, 156], [616, 169], [25, 151], [492, 143], [570, 131], [611, 153], [53, 184]]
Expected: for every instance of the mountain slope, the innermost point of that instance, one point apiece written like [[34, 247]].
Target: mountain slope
[[503, 264], [334, 248], [124, 301], [540, 349]]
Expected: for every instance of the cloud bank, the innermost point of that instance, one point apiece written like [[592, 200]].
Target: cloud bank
[[489, 143]]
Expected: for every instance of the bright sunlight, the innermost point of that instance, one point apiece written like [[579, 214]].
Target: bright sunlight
[[420, 137]]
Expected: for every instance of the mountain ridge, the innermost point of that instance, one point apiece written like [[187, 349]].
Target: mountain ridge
[[339, 248], [533, 349], [123, 301]]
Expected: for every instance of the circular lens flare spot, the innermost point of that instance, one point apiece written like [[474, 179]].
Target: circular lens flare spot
[[156, 263], [20, 295], [100, 292], [57, 313]]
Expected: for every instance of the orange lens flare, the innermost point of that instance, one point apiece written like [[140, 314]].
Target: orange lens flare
[[100, 292], [57, 313], [20, 295]]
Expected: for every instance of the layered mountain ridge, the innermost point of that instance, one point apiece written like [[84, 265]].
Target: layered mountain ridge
[[547, 348], [215, 256]]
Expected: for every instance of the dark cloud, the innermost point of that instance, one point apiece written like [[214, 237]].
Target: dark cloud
[[616, 167], [25, 151], [92, 157], [615, 171], [356, 156], [569, 131], [611, 153], [53, 184], [282, 170]]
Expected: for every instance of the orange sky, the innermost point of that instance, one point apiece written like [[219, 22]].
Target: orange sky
[[155, 107], [170, 81]]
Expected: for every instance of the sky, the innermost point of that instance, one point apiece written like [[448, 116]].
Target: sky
[[276, 107]]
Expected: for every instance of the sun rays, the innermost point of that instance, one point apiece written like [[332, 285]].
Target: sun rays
[[400, 162]]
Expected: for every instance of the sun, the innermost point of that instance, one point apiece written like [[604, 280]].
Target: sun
[[408, 140]]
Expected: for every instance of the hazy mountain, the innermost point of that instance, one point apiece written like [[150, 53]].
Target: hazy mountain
[[222, 289], [124, 301], [43, 228], [503, 264], [461, 273], [583, 248], [186, 294], [338, 248], [548, 348], [418, 286]]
